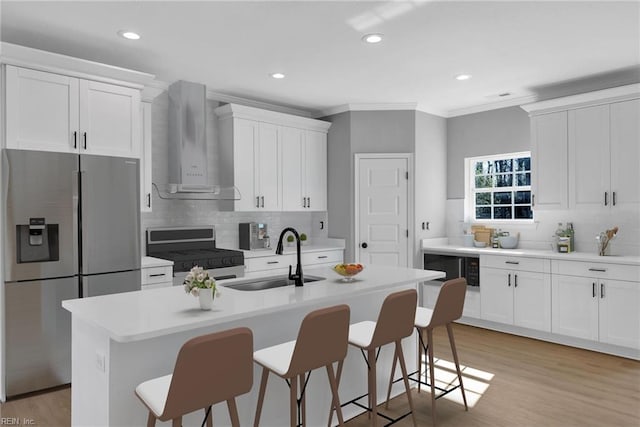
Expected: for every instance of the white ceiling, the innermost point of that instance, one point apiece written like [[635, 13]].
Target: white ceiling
[[528, 49]]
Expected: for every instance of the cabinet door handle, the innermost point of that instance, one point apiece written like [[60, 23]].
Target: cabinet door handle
[[304, 202], [606, 198], [273, 262], [257, 201], [75, 139], [515, 282], [613, 198], [85, 140], [262, 201], [601, 270], [509, 280], [308, 202], [601, 290], [157, 275], [533, 200], [512, 262], [322, 257], [593, 289], [148, 200]]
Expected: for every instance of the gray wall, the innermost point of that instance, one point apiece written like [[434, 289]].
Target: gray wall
[[491, 132], [339, 159], [430, 178], [361, 132], [382, 131]]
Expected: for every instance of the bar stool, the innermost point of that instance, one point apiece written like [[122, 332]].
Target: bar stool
[[209, 369], [321, 341], [394, 323], [447, 309]]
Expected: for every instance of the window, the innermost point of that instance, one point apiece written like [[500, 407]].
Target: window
[[500, 187]]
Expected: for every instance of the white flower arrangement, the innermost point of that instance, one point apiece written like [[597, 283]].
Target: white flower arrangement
[[198, 278]]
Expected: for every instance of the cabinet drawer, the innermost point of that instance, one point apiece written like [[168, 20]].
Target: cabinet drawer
[[536, 265], [269, 262], [596, 269], [153, 275], [326, 257]]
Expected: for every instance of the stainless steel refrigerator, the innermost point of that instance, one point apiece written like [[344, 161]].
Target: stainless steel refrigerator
[[72, 229]]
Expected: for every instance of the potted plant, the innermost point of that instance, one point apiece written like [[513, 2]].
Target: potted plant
[[198, 283], [303, 239], [290, 240]]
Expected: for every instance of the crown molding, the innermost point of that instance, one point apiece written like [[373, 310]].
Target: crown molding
[[383, 106], [41, 60], [259, 114], [230, 99], [512, 102], [605, 96]]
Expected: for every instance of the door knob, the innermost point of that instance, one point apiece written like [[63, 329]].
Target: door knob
[[364, 245]]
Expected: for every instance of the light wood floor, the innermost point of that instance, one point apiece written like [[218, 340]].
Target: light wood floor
[[510, 381]]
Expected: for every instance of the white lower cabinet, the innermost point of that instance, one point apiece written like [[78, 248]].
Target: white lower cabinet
[[592, 308], [512, 295], [157, 277], [275, 263]]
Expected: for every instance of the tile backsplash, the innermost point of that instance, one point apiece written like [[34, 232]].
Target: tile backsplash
[[538, 235], [173, 213]]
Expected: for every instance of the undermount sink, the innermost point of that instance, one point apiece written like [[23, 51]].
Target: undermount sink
[[268, 283]]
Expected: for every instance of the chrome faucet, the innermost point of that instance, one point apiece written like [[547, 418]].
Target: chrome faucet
[[298, 278]]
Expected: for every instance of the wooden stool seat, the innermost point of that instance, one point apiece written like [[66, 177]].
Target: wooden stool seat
[[395, 322], [321, 341], [209, 369], [447, 309]]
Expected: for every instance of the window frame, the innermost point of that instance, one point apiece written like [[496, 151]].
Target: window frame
[[470, 189]]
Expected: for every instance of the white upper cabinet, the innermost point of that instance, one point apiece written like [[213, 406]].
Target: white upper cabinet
[[604, 156], [549, 158], [255, 165], [589, 163], [625, 154], [109, 119], [278, 162], [52, 112], [42, 111], [304, 170], [293, 159], [314, 174], [586, 150]]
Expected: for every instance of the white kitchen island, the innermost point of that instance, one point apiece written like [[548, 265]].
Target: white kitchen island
[[121, 340]]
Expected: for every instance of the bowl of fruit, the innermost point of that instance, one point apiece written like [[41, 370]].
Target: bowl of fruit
[[348, 271]]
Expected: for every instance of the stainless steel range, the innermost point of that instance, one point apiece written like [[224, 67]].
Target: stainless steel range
[[191, 246]]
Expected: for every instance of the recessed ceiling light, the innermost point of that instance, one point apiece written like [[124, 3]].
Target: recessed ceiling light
[[463, 76], [129, 35], [372, 38], [277, 75]]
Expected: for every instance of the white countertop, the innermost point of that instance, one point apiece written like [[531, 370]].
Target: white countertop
[[315, 246], [146, 314], [148, 262], [548, 254]]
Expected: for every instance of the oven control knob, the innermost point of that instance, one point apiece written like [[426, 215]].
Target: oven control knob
[[226, 261]]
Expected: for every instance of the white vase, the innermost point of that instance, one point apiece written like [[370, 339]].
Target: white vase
[[205, 297]]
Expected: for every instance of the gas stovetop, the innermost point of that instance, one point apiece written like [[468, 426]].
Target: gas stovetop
[[191, 246]]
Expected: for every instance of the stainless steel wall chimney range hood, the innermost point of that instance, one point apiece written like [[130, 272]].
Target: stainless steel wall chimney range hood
[[188, 176]]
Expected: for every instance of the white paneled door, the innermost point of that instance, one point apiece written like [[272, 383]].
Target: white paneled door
[[382, 211]]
